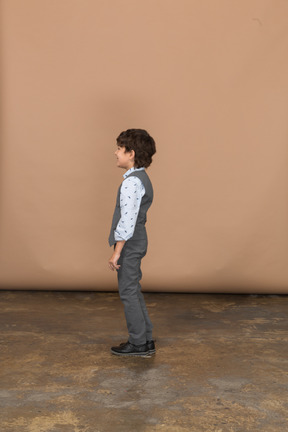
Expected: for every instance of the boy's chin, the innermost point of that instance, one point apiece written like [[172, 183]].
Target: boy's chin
[[119, 165]]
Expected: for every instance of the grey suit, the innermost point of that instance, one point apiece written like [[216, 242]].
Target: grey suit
[[129, 275]]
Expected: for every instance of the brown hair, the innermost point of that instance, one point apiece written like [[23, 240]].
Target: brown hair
[[141, 142]]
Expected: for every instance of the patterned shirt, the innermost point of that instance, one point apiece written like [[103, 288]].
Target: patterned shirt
[[131, 193]]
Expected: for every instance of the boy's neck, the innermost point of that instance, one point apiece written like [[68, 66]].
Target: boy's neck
[[130, 167]]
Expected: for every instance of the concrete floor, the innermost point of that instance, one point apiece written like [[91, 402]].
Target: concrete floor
[[221, 364]]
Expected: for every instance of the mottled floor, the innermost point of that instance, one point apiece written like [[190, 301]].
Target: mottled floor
[[221, 364]]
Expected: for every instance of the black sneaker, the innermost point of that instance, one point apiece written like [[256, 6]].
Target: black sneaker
[[151, 347], [128, 349]]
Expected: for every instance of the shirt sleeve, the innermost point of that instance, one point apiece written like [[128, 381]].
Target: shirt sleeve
[[131, 193]]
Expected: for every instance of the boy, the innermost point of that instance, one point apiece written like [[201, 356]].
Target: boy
[[135, 148]]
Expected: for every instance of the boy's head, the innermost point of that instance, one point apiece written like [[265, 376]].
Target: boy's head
[[139, 141]]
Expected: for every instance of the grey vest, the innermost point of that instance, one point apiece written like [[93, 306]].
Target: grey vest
[[144, 206]]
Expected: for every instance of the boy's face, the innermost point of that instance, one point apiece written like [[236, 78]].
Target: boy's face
[[125, 159]]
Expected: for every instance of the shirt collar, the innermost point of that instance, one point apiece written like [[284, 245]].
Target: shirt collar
[[127, 173]]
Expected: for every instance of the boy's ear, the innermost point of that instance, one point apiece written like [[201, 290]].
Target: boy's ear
[[132, 152]]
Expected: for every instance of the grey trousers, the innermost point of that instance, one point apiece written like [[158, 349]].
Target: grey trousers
[[129, 275]]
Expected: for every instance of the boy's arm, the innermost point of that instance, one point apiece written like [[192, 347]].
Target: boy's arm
[[131, 193], [113, 261]]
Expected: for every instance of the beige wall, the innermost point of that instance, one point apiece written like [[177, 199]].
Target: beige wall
[[208, 80]]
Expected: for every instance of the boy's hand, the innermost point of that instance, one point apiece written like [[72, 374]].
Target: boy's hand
[[112, 263]]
